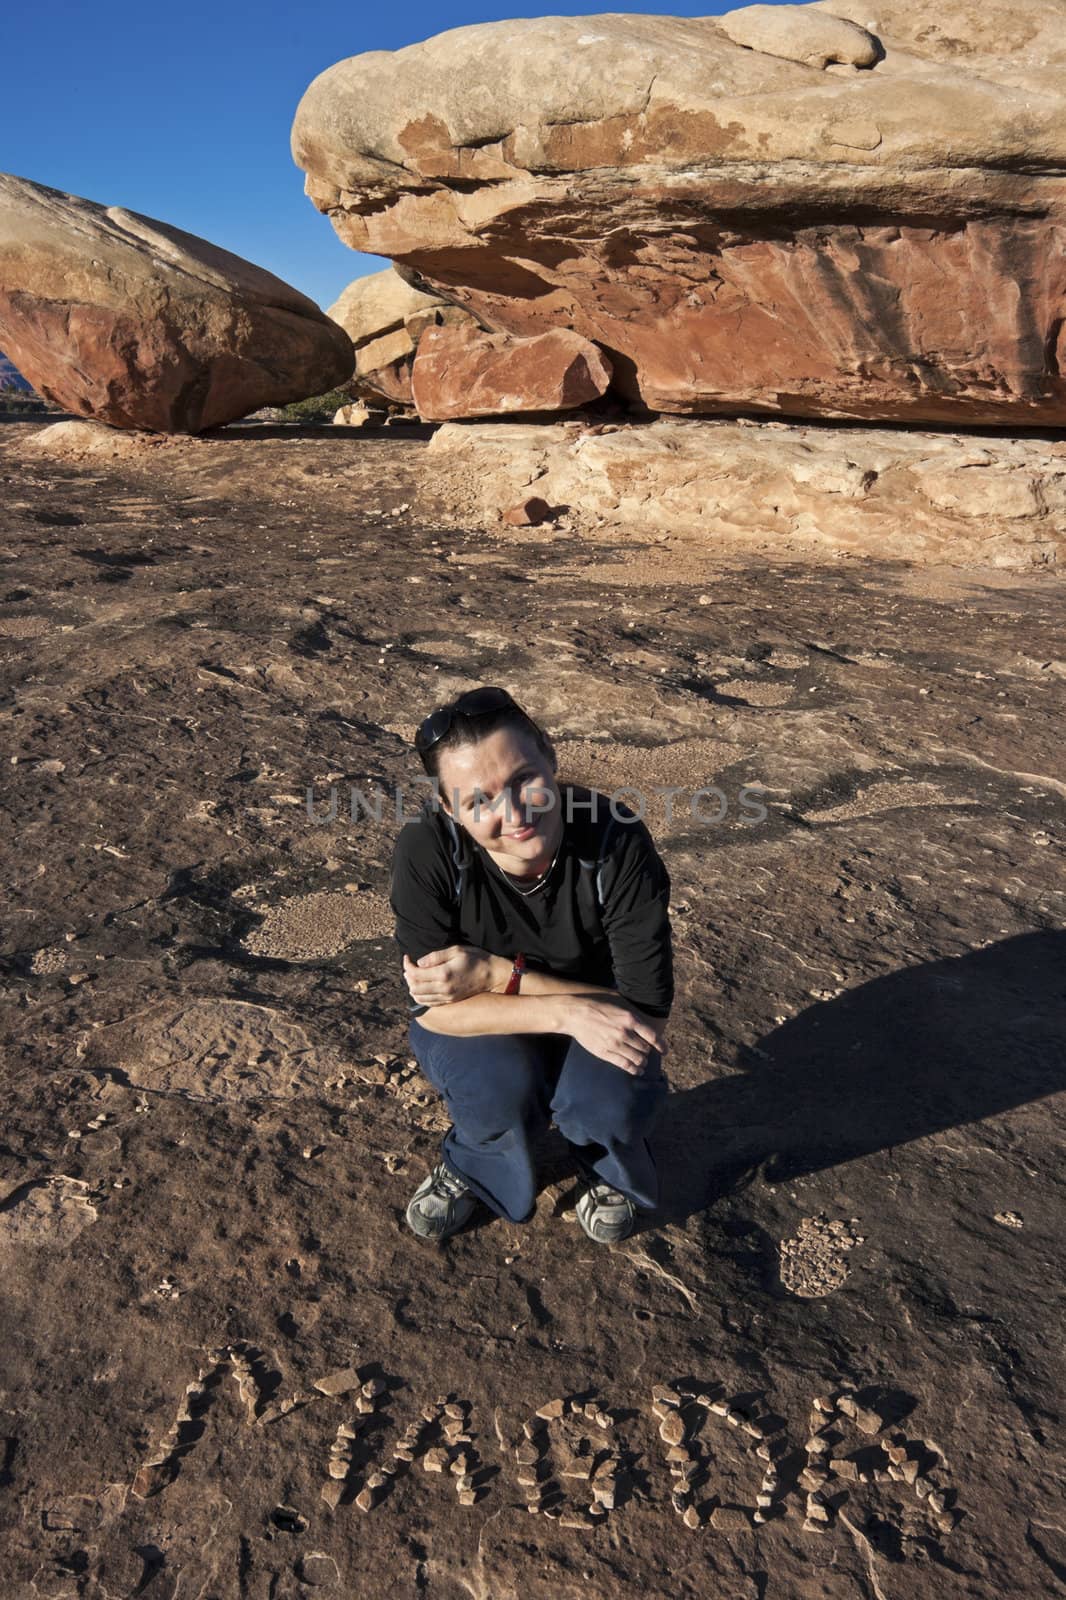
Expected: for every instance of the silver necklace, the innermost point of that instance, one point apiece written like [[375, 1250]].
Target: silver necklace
[[543, 877]]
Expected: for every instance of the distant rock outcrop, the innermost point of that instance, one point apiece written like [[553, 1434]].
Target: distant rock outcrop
[[845, 209], [135, 323], [384, 316]]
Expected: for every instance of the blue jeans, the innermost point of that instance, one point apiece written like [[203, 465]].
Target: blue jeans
[[502, 1089]]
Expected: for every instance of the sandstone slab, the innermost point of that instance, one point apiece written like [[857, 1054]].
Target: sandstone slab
[[462, 372], [135, 323], [825, 210], [897, 493]]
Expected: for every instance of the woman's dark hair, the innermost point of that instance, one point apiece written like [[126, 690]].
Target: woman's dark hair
[[467, 730]]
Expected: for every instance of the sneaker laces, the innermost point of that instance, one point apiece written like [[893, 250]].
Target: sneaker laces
[[604, 1194], [447, 1184]]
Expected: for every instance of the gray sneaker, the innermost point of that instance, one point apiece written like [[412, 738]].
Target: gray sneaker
[[606, 1214], [441, 1204]]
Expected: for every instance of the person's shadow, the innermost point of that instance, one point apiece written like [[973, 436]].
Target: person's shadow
[[931, 1047]]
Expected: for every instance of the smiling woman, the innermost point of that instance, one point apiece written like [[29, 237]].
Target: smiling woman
[[533, 918]]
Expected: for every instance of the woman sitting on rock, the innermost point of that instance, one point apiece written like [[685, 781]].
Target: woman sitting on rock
[[533, 918]]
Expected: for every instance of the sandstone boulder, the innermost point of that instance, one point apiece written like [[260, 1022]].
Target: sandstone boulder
[[135, 323], [847, 209], [462, 372], [385, 316]]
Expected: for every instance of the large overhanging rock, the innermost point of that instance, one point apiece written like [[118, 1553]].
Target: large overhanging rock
[[846, 209], [135, 323]]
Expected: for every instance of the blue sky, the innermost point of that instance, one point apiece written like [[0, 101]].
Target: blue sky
[[183, 112]]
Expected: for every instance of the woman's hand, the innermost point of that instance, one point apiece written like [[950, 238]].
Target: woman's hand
[[616, 1033], [454, 973]]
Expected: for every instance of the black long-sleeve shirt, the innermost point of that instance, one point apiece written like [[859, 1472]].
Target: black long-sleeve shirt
[[559, 928]]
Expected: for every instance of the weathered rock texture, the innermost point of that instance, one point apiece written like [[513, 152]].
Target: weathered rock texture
[[462, 372], [115, 316], [384, 316], [849, 209], [886, 492]]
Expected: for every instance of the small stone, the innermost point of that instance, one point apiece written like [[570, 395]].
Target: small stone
[[811, 1526], [665, 1396], [672, 1428], [868, 1420], [334, 1383], [936, 1502], [375, 1480], [467, 1497], [845, 1468], [431, 1413], [346, 1431], [338, 1467], [451, 1410], [734, 1417], [435, 1460], [364, 1499], [373, 1387], [753, 1429], [894, 1472], [403, 1452], [533, 1507], [922, 1487], [579, 1467], [822, 1403], [573, 1519], [813, 1477], [720, 1408], [528, 513], [729, 1519], [331, 1494], [364, 1405], [816, 1512], [759, 1515], [909, 1470], [527, 1477], [552, 1409], [946, 1522], [679, 1452], [896, 1453], [764, 1500], [692, 1517], [846, 1405]]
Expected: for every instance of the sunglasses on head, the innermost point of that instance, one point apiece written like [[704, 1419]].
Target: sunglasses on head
[[474, 703]]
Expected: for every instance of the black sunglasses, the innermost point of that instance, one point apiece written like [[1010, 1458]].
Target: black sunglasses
[[474, 703]]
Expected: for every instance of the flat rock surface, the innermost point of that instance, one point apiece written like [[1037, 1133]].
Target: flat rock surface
[[211, 1129]]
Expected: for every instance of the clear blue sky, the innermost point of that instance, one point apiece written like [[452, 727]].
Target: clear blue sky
[[183, 112]]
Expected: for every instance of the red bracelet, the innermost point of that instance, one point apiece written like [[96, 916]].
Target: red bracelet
[[516, 974]]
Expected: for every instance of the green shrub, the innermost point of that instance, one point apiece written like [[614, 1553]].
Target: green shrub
[[319, 408]]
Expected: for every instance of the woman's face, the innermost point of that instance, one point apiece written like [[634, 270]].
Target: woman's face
[[506, 772]]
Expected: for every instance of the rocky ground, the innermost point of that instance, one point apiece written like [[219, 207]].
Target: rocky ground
[[217, 1327]]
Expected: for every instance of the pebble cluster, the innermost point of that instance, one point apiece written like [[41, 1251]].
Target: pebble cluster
[[342, 1449], [162, 1465], [669, 1404], [583, 1461], [901, 1461]]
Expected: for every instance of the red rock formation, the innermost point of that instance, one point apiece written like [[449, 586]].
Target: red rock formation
[[114, 316], [462, 372], [829, 210]]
